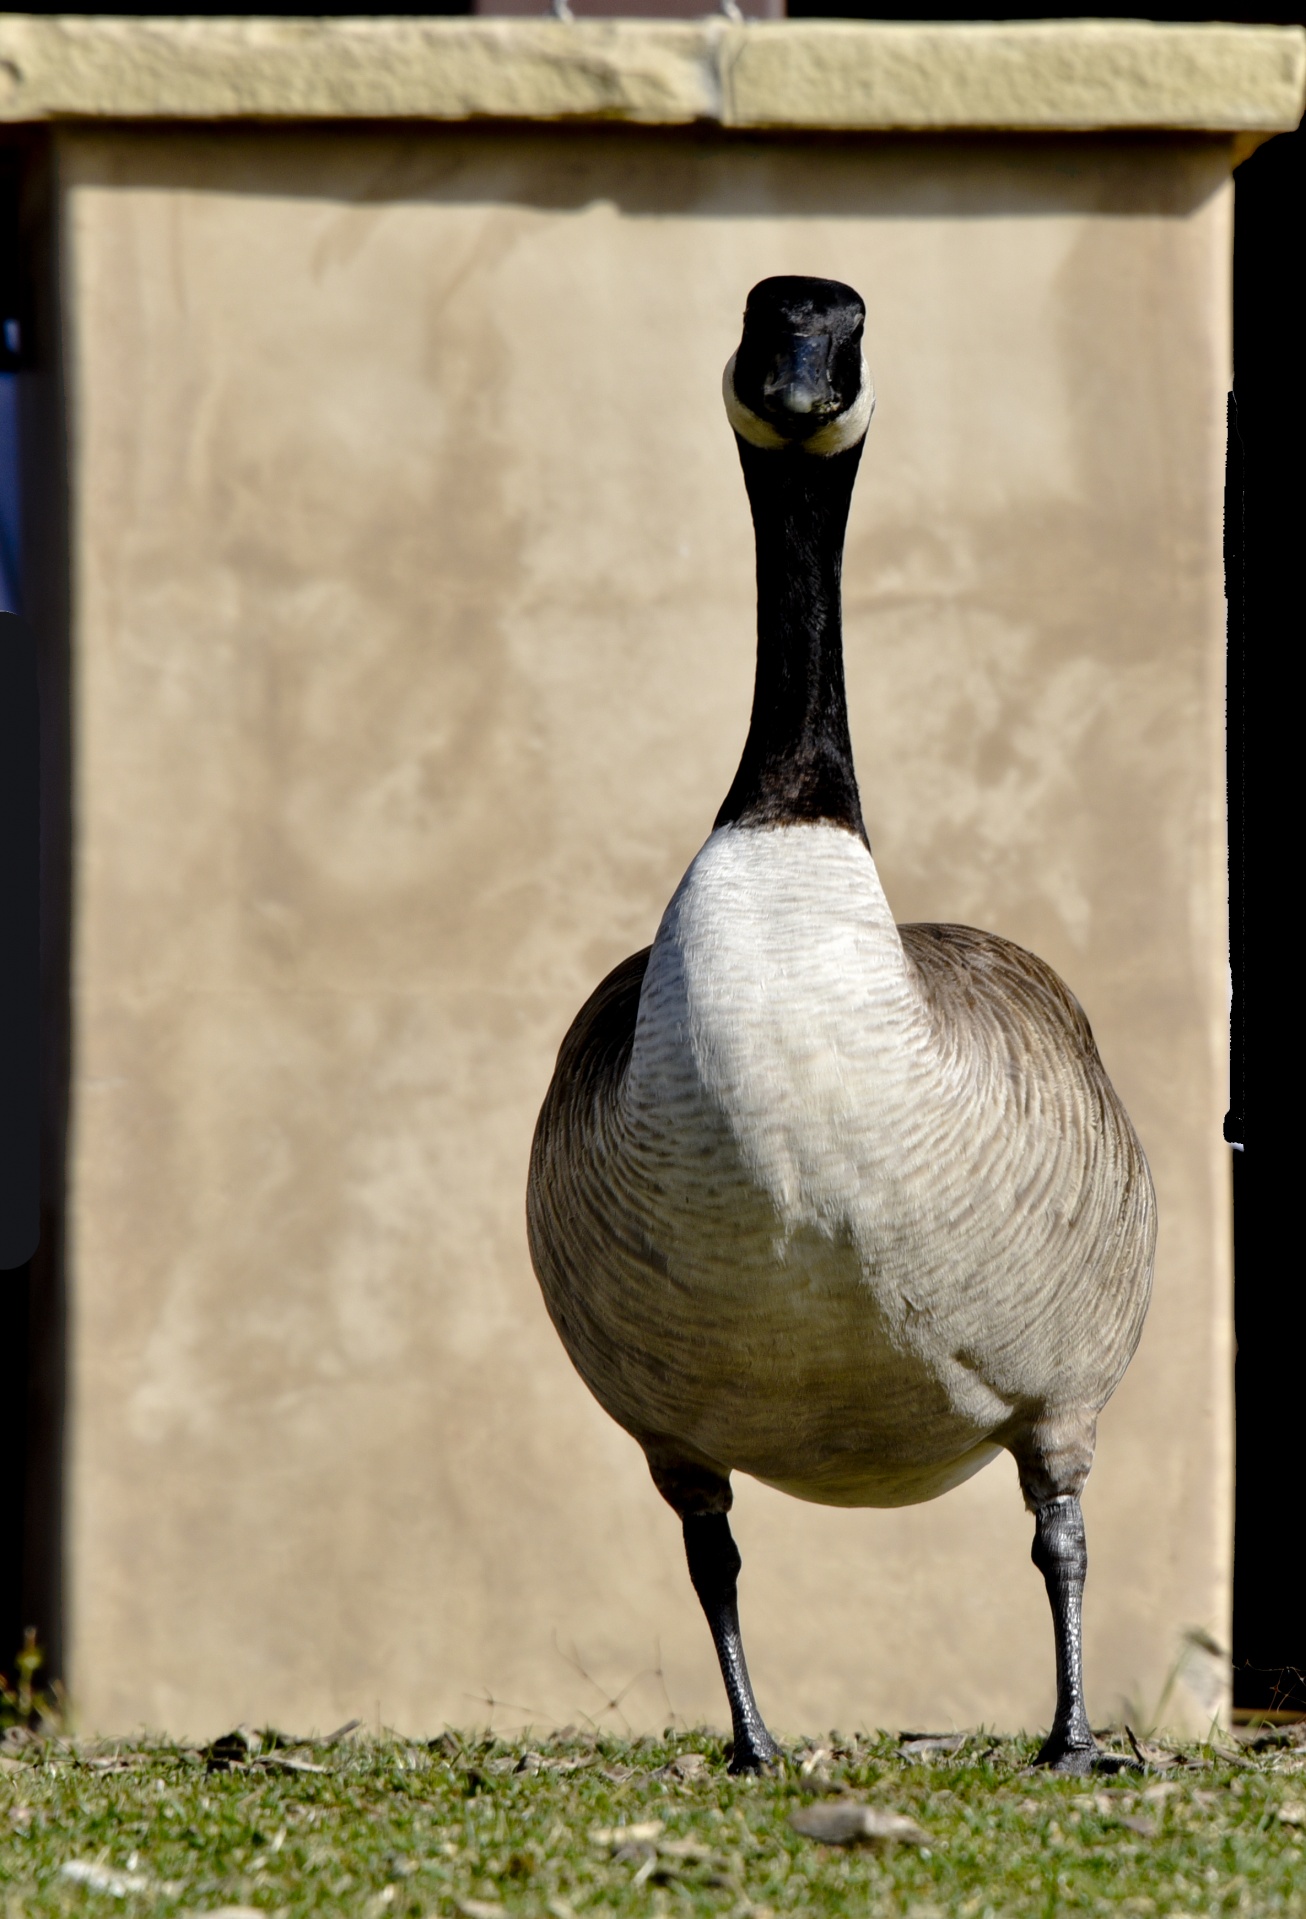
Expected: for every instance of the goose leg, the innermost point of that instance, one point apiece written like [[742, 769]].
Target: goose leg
[[1061, 1555], [714, 1564]]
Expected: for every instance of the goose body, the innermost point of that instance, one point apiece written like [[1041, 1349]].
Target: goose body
[[832, 1240], [846, 1206]]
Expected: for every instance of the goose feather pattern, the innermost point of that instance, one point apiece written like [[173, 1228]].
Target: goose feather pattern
[[844, 1206]]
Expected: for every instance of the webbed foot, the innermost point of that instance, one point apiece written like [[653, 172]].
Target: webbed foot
[[1061, 1754], [754, 1752]]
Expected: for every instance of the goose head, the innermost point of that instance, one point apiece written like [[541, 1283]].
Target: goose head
[[798, 378]]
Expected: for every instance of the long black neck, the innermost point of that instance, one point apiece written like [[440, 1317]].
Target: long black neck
[[798, 761]]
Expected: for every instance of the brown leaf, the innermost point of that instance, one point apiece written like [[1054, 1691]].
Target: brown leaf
[[230, 1912], [691, 1849], [848, 1822], [1157, 1758], [1145, 1828], [640, 1835], [923, 1745], [102, 1878]]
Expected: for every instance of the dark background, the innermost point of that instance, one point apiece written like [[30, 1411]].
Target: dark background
[[1264, 547], [1265, 553]]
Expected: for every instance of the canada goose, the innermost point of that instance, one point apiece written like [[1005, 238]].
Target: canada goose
[[845, 1205]]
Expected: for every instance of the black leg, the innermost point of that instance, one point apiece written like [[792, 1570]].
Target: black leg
[[714, 1564], [1062, 1557]]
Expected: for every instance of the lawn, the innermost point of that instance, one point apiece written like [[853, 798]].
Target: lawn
[[585, 1824]]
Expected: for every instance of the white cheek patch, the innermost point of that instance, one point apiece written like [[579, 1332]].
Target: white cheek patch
[[836, 436], [748, 425], [846, 429]]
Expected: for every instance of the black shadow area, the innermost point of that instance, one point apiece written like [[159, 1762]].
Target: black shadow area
[[1267, 619], [32, 1295]]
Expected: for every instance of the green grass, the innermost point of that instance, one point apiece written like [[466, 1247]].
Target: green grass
[[387, 1828]]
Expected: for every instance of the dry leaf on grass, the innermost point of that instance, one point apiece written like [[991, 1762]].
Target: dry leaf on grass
[[847, 1822], [691, 1849], [229, 1912], [1145, 1828], [926, 1745], [89, 1872], [479, 1908], [1292, 1813], [101, 1878], [640, 1835], [1151, 1758]]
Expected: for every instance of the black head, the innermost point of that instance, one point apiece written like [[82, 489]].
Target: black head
[[798, 377]]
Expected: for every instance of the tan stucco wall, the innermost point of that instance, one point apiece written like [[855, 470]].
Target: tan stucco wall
[[1044, 74], [412, 655]]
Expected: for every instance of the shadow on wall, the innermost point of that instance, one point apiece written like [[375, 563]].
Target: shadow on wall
[[660, 171]]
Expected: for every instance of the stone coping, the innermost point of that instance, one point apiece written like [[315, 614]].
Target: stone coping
[[851, 76]]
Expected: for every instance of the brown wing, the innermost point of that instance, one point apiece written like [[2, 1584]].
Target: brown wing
[[596, 1051], [1012, 1019], [966, 971], [986, 991], [571, 1212]]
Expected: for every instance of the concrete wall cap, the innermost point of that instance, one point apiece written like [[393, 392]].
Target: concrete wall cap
[[845, 76]]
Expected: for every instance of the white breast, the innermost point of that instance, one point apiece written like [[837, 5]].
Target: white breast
[[780, 1086], [779, 1006]]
